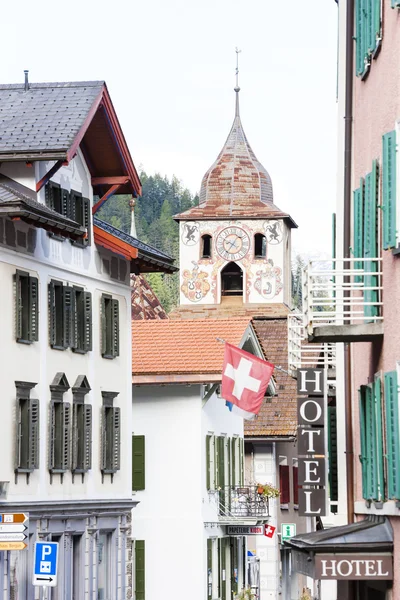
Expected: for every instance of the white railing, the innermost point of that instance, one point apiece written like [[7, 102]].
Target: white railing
[[303, 354], [342, 292]]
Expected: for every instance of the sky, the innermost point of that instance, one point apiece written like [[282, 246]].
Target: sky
[[170, 69]]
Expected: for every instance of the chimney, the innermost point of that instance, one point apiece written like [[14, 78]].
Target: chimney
[[26, 80]]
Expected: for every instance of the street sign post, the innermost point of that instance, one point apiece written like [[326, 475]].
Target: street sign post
[[12, 528], [45, 564], [288, 530]]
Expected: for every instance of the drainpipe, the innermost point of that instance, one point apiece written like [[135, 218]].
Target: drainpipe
[[346, 248]]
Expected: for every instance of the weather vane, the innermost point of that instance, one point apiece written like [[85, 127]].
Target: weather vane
[[237, 69]]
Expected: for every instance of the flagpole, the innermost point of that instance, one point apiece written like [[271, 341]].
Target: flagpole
[[222, 341]]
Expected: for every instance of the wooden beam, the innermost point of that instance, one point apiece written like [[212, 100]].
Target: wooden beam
[[49, 174], [109, 193], [110, 180]]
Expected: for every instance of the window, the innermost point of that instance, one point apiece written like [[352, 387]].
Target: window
[[284, 483], [109, 327], [332, 450], [389, 190], [368, 33], [81, 427], [140, 579], [224, 461], [138, 463], [27, 446], [71, 205], [295, 481], [260, 246], [206, 246], [209, 568], [111, 434], [60, 426], [70, 322], [371, 441], [104, 566], [26, 307], [392, 435]]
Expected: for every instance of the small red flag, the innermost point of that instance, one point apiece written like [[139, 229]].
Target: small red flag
[[245, 378], [269, 531]]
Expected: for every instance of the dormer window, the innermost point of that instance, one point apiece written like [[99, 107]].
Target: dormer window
[[260, 246], [206, 246]]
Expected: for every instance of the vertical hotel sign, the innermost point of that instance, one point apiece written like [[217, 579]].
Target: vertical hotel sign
[[311, 444]]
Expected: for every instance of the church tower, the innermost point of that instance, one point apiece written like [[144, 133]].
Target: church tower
[[235, 246]]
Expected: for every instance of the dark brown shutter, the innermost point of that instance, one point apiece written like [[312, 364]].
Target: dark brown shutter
[[87, 437], [52, 314], [103, 319], [68, 206], [18, 306], [295, 485], [284, 484], [115, 327], [33, 434], [33, 331], [87, 322], [87, 219], [69, 317]]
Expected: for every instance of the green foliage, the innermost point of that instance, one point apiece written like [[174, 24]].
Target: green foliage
[[161, 199]]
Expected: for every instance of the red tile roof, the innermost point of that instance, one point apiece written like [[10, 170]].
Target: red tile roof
[[182, 347], [145, 304]]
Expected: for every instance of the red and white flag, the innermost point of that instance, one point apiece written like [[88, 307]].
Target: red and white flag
[[269, 531], [245, 378]]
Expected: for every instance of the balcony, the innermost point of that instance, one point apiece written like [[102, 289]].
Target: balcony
[[303, 354], [242, 505], [342, 300]]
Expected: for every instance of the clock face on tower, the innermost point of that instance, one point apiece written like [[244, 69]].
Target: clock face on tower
[[233, 243]]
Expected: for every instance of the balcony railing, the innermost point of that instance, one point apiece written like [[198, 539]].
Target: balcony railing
[[305, 354], [342, 299], [242, 504]]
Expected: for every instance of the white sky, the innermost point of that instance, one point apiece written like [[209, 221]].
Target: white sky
[[169, 66]]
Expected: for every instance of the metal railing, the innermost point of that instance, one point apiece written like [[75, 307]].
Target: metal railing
[[334, 295], [237, 503], [302, 354]]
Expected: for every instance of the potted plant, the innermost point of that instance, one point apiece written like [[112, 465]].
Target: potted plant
[[245, 594], [267, 490]]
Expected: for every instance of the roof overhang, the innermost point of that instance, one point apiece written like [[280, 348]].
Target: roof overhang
[[185, 378], [114, 244], [196, 213]]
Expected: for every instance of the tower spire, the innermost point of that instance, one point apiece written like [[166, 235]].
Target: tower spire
[[237, 88]]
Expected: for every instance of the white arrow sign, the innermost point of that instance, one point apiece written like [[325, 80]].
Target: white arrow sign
[[17, 528], [12, 537]]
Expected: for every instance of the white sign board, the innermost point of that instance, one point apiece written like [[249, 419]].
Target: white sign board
[[45, 564]]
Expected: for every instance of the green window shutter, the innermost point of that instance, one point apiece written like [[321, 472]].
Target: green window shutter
[[363, 439], [138, 462], [370, 239], [392, 434], [140, 569], [332, 449], [372, 9], [379, 437], [87, 322], [358, 226], [116, 457], [370, 437], [209, 569], [115, 327], [52, 314], [66, 434], [33, 333], [69, 314], [221, 461], [208, 465], [360, 37], [389, 189], [241, 464], [223, 568], [87, 437], [33, 434], [233, 461]]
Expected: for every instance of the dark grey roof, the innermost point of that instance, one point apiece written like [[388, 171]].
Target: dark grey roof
[[145, 250], [371, 533], [17, 200], [45, 118]]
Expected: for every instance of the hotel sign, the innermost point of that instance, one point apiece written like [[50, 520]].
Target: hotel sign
[[311, 445], [353, 566]]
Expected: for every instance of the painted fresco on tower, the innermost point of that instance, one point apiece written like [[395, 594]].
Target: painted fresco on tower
[[269, 281], [273, 232], [195, 285], [190, 233]]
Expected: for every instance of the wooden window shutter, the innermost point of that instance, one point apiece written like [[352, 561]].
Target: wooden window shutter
[[358, 224], [87, 437], [373, 18], [88, 320], [76, 435], [104, 440], [209, 569], [33, 332], [69, 315], [52, 314], [332, 449], [284, 484], [140, 570], [379, 437], [295, 473], [241, 472], [363, 440], [52, 437], [115, 327], [360, 37], [87, 219], [370, 437], [66, 433], [389, 189], [221, 461], [208, 462], [48, 195], [392, 434], [103, 318], [229, 465], [370, 239], [33, 433], [223, 568], [116, 441], [68, 207], [233, 461], [18, 306], [138, 462]]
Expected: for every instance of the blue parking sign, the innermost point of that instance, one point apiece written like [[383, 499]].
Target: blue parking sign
[[45, 564]]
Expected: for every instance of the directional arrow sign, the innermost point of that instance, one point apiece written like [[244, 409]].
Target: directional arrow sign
[[12, 537], [12, 545], [10, 528], [14, 518], [48, 579], [45, 564]]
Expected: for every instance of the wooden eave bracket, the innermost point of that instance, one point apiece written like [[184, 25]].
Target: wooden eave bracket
[[209, 394], [50, 174], [112, 190]]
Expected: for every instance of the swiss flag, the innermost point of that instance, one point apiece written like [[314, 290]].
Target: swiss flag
[[269, 531], [245, 378]]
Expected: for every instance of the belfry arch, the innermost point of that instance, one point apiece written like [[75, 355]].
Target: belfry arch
[[231, 281]]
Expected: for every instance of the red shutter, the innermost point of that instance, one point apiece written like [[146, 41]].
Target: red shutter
[[295, 485], [284, 483]]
